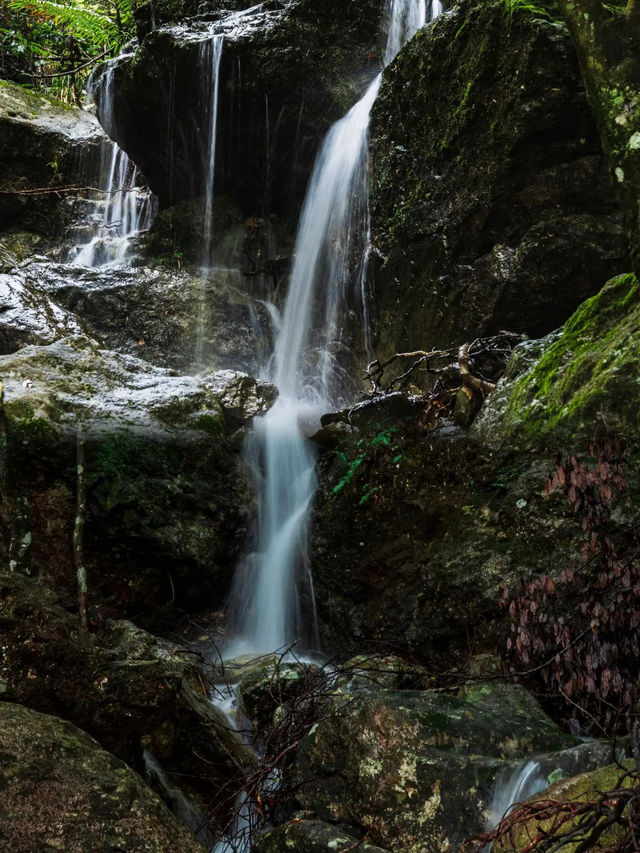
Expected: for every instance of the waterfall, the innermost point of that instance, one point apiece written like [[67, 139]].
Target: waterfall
[[209, 63], [330, 249], [126, 209], [512, 786]]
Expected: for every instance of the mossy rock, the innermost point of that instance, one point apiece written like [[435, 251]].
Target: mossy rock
[[302, 835], [165, 486], [416, 768], [60, 791], [585, 376], [492, 206], [269, 683], [585, 787], [44, 142], [128, 689]]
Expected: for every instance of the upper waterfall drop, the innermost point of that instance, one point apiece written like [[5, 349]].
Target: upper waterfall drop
[[331, 246], [209, 61]]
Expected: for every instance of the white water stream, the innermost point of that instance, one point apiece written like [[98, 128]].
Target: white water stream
[[125, 210], [209, 62], [272, 583]]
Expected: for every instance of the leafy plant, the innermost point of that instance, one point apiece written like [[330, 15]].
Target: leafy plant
[[581, 627], [382, 439], [52, 45]]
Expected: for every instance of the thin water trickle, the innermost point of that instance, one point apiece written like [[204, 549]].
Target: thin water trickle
[[331, 248], [209, 62], [125, 210], [210, 54], [514, 786]]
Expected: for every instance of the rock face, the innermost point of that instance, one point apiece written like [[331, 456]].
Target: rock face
[[60, 791], [165, 488], [118, 674], [167, 316], [44, 144], [464, 523], [557, 389], [414, 769], [274, 105], [492, 207]]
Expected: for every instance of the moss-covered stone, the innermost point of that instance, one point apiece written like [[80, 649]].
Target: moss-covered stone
[[585, 375], [491, 206], [165, 486], [414, 768], [44, 144], [125, 687], [60, 791], [302, 835]]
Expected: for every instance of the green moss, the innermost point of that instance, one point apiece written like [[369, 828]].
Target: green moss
[[545, 9], [211, 424], [27, 429], [591, 371]]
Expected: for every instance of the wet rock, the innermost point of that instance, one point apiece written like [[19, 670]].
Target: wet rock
[[287, 72], [28, 316], [369, 672], [60, 791], [241, 396], [125, 687], [414, 769], [311, 836], [165, 488], [491, 203], [44, 144], [171, 317], [556, 390]]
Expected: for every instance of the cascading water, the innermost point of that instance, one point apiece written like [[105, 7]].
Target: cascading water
[[210, 54], [331, 244], [126, 209], [514, 786], [209, 62]]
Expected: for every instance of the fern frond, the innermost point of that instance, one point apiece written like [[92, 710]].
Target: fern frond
[[86, 24]]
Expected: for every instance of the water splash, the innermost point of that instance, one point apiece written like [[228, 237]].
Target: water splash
[[330, 253]]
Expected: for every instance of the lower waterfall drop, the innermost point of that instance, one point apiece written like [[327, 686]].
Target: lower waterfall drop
[[272, 583]]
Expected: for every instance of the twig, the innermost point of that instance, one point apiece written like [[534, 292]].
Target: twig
[[78, 531]]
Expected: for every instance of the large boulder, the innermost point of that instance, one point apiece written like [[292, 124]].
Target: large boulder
[[491, 204], [129, 690], [60, 791], [287, 71], [414, 770], [585, 787], [166, 492], [44, 144]]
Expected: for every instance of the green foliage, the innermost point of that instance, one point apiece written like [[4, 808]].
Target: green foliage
[[368, 449], [51, 45]]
